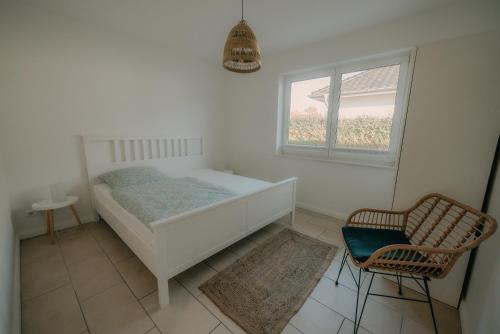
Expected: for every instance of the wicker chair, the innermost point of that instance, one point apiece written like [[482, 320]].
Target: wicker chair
[[420, 243]]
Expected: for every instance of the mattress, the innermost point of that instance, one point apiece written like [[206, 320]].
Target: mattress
[[238, 184]]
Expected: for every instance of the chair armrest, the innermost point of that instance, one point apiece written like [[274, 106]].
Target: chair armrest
[[419, 260], [374, 218]]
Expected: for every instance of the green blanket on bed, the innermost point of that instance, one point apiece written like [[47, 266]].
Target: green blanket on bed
[[162, 199]]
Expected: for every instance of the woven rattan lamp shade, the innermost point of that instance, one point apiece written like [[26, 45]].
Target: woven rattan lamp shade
[[242, 52]]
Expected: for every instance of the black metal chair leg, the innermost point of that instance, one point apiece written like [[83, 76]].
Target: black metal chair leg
[[364, 304], [356, 324], [344, 259], [400, 284], [428, 293]]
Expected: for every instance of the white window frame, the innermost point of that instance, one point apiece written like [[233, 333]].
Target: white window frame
[[404, 58]]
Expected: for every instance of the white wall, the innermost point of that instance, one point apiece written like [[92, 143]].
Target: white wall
[[338, 189], [7, 267], [479, 311], [451, 129], [60, 79]]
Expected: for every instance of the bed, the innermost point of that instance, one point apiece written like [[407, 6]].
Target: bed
[[171, 245]]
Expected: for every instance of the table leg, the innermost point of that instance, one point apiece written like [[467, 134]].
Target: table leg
[[73, 209], [51, 224]]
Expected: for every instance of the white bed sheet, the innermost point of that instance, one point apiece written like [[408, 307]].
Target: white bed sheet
[[238, 184]]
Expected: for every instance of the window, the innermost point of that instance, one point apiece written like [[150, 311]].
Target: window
[[308, 117], [348, 112]]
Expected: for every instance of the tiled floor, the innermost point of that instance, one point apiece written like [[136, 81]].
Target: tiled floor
[[90, 282]]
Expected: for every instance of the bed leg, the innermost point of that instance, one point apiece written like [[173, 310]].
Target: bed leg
[[292, 217], [163, 293]]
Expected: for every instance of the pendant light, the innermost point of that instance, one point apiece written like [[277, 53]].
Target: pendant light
[[242, 52]]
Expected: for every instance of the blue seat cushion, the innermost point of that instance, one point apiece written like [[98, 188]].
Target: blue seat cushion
[[363, 242]]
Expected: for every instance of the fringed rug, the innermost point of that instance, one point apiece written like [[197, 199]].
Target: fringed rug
[[264, 289]]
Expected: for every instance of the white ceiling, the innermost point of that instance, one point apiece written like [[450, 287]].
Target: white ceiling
[[201, 26]]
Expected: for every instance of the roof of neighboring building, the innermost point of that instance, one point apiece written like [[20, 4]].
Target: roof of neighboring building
[[374, 80]]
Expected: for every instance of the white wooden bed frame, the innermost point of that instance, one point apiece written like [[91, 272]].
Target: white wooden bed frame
[[184, 240]]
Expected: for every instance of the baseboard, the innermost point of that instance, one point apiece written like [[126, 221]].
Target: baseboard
[[322, 211], [40, 229], [16, 288]]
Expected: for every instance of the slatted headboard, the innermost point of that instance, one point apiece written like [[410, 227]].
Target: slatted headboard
[[168, 154]]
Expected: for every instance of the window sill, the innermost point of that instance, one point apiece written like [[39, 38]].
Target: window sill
[[356, 162]]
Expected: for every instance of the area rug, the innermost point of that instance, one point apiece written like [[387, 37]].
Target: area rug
[[264, 289]]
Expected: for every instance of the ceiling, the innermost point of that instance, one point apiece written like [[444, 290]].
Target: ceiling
[[201, 26]]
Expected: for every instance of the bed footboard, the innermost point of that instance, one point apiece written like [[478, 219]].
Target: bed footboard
[[187, 239]]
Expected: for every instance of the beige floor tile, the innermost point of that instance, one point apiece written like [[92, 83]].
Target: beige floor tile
[[77, 244], [92, 276], [192, 278], [447, 317], [348, 328], [72, 232], [116, 311], [38, 248], [346, 278], [153, 331], [53, 313], [376, 317], [184, 314], [380, 319], [332, 237], [339, 298], [308, 229], [340, 221], [339, 254], [317, 214], [410, 326], [230, 324], [260, 236], [302, 216], [444, 323], [220, 330], [138, 277], [43, 275], [289, 329], [116, 249], [242, 247], [416, 326], [101, 231], [327, 222], [315, 318], [325, 217], [221, 260]]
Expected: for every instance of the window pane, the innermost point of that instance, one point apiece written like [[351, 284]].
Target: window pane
[[366, 109], [308, 112]]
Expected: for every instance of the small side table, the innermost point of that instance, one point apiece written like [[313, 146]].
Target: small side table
[[49, 207]]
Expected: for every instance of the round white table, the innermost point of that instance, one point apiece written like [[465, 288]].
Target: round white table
[[49, 207]]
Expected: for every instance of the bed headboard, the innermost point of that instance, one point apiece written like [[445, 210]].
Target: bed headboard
[[170, 155]]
